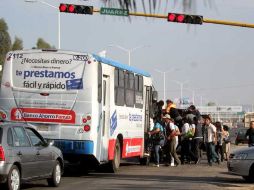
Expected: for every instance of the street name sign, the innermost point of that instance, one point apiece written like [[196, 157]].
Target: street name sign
[[114, 11]]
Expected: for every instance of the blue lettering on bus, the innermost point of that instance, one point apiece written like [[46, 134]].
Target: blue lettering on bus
[[113, 123], [74, 84], [135, 117], [48, 74]]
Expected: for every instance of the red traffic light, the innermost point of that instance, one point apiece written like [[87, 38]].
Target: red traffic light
[[171, 17], [78, 9], [183, 18], [62, 7], [71, 9], [180, 18]]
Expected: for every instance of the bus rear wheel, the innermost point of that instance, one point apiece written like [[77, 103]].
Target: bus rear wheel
[[115, 163]]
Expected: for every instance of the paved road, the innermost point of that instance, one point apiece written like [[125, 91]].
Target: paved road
[[133, 176]]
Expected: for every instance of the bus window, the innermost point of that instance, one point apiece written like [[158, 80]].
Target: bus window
[[138, 91], [129, 89], [121, 78], [140, 84], [119, 87], [116, 77], [136, 82]]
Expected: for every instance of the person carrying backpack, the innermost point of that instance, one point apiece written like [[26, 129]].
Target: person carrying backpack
[[172, 133], [158, 139]]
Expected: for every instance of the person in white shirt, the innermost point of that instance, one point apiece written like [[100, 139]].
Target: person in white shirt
[[172, 133], [210, 140]]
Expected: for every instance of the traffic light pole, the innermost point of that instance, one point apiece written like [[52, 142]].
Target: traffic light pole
[[230, 23], [205, 20]]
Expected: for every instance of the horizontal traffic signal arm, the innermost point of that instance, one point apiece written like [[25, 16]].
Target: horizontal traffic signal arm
[[229, 23], [205, 20]]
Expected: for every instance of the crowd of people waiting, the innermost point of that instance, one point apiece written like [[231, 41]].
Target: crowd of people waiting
[[192, 132]]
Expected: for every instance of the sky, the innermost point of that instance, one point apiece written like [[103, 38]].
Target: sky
[[214, 61]]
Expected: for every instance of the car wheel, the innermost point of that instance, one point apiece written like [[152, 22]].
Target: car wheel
[[248, 179], [13, 180], [55, 179], [115, 163]]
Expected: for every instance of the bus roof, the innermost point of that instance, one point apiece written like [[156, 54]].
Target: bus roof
[[120, 65]]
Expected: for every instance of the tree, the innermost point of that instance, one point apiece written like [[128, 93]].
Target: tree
[[211, 104], [42, 44], [5, 40], [187, 5], [18, 44]]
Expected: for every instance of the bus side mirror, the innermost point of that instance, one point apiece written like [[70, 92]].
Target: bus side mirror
[[155, 95]]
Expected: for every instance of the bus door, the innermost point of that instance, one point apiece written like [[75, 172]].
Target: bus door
[[105, 118], [147, 108], [148, 98]]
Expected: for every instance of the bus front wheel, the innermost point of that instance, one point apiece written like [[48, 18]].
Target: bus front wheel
[[115, 163]]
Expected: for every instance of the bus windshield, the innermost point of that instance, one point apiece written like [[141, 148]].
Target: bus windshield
[[47, 71]]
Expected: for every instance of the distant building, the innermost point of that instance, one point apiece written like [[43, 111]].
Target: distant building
[[231, 115], [248, 117]]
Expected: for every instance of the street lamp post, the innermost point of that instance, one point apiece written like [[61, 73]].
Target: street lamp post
[[127, 50], [181, 89], [201, 96], [164, 80], [54, 7]]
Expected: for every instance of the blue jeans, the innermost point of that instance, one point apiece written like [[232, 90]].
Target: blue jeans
[[157, 151], [210, 152]]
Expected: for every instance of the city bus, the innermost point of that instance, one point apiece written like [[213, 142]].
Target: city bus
[[95, 109]]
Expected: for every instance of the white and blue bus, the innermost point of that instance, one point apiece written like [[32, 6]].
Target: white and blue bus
[[95, 109]]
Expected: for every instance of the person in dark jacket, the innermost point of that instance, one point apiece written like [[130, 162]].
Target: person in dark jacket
[[198, 138], [173, 112], [194, 111], [250, 134]]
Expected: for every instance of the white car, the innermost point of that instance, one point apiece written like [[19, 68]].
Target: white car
[[241, 162]]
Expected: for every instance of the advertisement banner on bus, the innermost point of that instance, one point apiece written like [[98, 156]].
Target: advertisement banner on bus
[[43, 115], [49, 72]]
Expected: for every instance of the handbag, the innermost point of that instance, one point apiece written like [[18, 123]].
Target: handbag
[[158, 136]]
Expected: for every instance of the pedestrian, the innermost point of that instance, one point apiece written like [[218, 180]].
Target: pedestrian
[[160, 109], [193, 110], [220, 136], [172, 133], [210, 140], [186, 134], [173, 111], [197, 139], [250, 134], [158, 139], [226, 142]]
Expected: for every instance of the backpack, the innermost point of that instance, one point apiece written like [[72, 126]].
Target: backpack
[[157, 137]]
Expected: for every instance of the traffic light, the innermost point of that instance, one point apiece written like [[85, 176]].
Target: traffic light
[[183, 18], [77, 9]]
